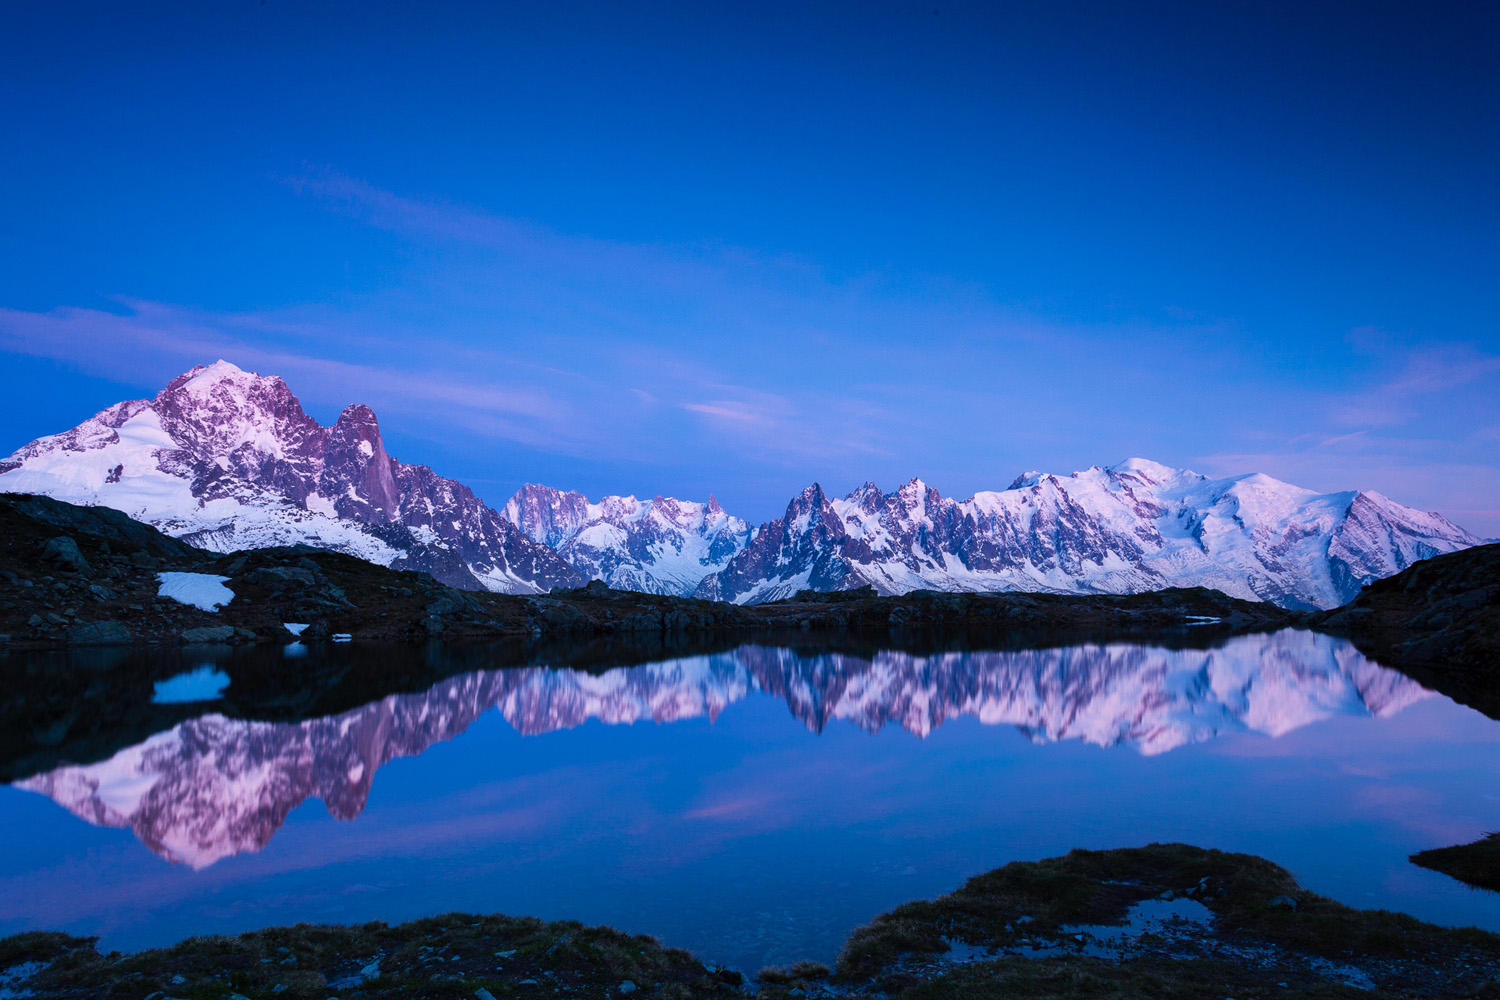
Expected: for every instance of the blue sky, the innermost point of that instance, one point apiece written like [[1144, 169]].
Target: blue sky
[[735, 248]]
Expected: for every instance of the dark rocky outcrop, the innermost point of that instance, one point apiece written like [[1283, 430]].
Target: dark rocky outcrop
[[1438, 620]]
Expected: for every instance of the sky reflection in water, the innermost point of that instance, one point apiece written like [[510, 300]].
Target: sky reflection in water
[[748, 832]]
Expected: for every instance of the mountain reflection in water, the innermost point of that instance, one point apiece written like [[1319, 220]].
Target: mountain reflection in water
[[214, 787]]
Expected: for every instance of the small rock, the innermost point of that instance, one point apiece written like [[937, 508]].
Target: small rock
[[178, 979], [483, 994], [433, 625], [627, 987], [1284, 901]]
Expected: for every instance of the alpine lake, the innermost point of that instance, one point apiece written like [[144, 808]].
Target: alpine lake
[[753, 803]]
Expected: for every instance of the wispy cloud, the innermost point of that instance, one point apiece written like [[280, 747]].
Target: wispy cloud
[[1422, 373], [752, 374]]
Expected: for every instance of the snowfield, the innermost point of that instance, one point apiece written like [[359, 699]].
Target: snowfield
[[201, 590]]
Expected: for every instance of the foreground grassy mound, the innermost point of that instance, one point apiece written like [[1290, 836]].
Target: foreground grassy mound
[[1041, 923], [452, 956], [1477, 864], [1030, 929]]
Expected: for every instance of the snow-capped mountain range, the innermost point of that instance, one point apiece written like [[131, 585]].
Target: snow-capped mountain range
[[227, 459], [1134, 527], [213, 787]]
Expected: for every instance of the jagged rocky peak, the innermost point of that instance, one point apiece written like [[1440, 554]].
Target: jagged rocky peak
[[916, 498], [868, 497], [236, 418], [357, 472], [812, 498], [545, 514]]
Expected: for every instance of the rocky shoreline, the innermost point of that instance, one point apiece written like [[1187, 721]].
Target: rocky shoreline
[[1166, 920]]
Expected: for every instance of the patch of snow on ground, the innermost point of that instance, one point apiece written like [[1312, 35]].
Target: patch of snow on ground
[[11, 979], [201, 590]]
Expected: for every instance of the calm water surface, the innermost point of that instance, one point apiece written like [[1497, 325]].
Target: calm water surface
[[754, 805]]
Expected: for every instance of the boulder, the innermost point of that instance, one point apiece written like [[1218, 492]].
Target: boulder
[[63, 552], [106, 633], [207, 634], [280, 577]]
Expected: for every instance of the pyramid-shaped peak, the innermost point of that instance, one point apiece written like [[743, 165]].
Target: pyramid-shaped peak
[[223, 380], [219, 369], [203, 376]]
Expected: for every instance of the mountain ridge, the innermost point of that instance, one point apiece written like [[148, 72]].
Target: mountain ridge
[[226, 459]]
